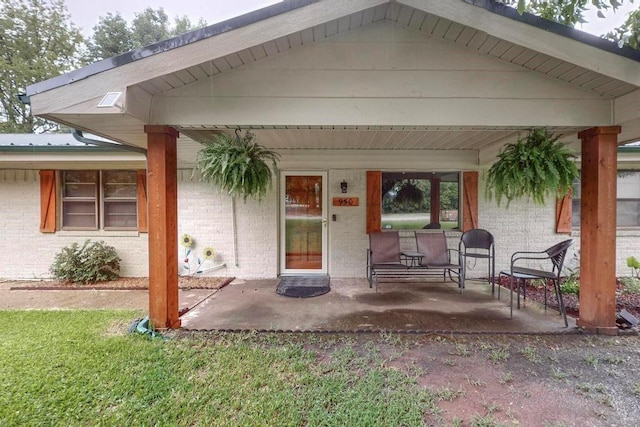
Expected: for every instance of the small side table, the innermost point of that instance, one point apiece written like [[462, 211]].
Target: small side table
[[413, 259]]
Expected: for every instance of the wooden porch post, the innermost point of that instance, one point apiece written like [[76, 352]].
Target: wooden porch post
[[163, 226], [598, 230], [435, 201]]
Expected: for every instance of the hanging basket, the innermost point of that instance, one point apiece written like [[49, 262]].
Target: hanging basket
[[536, 167], [238, 165], [409, 193]]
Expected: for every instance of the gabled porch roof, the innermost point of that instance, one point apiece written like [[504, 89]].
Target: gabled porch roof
[[389, 97]]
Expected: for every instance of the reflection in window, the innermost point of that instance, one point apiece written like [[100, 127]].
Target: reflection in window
[[628, 200], [416, 200]]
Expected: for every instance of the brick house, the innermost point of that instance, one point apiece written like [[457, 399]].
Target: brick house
[[356, 92]]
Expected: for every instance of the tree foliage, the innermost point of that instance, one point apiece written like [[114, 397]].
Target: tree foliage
[[571, 12], [567, 12], [629, 32], [110, 38], [113, 35], [37, 42]]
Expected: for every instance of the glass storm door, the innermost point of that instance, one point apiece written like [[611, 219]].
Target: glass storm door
[[303, 223]]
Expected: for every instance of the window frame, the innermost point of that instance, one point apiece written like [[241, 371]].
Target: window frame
[[575, 225], [100, 200], [104, 200], [64, 199], [430, 176]]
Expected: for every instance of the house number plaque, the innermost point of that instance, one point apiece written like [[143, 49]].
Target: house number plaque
[[345, 201]]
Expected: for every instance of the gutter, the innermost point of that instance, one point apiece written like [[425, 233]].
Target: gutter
[[77, 135]]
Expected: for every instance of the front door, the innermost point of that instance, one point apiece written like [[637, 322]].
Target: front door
[[303, 223]]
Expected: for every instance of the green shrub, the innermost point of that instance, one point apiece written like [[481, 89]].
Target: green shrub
[[570, 286], [630, 285], [92, 262]]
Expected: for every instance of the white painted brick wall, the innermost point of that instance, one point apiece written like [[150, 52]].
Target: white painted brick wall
[[25, 253], [206, 215], [348, 240]]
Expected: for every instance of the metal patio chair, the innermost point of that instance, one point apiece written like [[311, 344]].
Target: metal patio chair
[[555, 255], [478, 244]]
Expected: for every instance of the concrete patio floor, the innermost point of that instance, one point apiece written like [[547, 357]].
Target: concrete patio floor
[[414, 306]]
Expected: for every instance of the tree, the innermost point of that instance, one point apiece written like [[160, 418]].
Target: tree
[[571, 12], [113, 36], [37, 42], [567, 12], [150, 26], [629, 32], [183, 25]]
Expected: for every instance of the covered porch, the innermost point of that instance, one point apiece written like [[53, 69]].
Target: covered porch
[[366, 85], [423, 307]]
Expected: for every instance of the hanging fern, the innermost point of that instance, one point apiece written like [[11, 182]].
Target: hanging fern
[[237, 165], [535, 167]]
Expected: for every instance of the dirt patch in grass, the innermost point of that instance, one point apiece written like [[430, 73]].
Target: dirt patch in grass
[[124, 283], [490, 380]]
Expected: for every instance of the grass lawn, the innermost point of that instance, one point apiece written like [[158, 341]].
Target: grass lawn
[[82, 368]]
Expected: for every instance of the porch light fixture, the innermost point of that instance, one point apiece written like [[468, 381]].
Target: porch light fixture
[[343, 186], [109, 100]]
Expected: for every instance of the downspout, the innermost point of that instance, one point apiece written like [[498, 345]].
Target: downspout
[[77, 134]]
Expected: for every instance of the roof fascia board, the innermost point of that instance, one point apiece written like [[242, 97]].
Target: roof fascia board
[[505, 23]]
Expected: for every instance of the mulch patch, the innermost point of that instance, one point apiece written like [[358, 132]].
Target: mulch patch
[[124, 284], [624, 301]]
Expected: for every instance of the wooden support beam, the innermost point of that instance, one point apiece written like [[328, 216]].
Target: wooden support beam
[[598, 230], [162, 195], [435, 201], [374, 201]]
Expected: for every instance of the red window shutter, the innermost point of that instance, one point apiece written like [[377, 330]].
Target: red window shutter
[[374, 201], [469, 200], [48, 201], [564, 213], [142, 201]]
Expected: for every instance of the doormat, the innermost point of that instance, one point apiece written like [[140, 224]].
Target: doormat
[[303, 286]]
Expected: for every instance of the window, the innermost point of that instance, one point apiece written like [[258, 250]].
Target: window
[[415, 200], [99, 199], [628, 205]]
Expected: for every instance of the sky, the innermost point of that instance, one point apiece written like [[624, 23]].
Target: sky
[[85, 14]]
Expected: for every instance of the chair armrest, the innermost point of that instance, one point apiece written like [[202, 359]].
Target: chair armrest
[[528, 255], [516, 259]]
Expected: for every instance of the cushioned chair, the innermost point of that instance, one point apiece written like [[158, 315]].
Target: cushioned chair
[[436, 254], [520, 271], [478, 244], [384, 253]]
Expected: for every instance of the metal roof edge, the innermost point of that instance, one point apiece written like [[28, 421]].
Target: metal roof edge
[[167, 45], [592, 40], [57, 148]]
